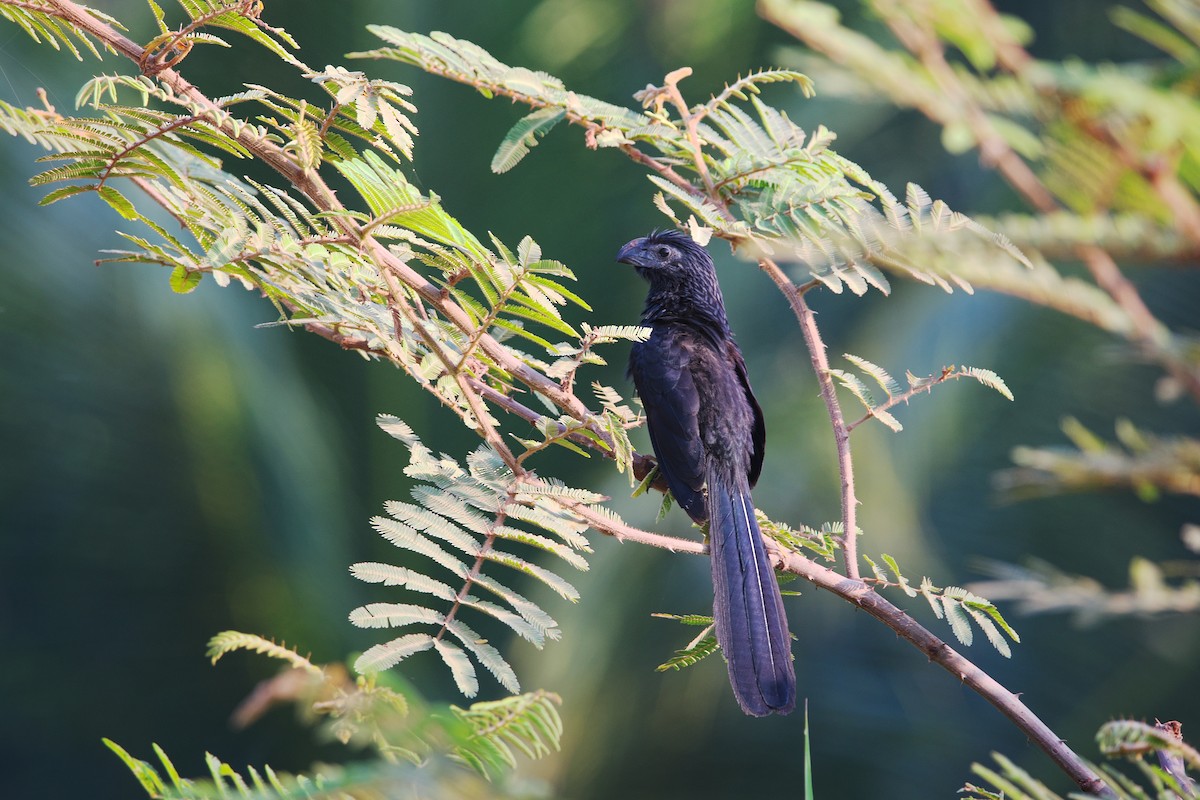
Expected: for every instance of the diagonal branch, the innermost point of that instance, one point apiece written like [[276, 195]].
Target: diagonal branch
[[1008, 703], [937, 650]]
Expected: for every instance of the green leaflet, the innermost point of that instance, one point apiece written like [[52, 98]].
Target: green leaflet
[[690, 655], [523, 135], [957, 606]]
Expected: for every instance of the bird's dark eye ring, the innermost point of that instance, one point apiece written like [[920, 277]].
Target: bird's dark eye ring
[[662, 252]]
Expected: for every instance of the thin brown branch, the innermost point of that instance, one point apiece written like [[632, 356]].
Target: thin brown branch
[[841, 435], [171, 49], [1010, 53], [485, 547], [624, 532], [487, 427], [936, 650], [940, 653], [642, 464], [340, 339], [42, 7], [151, 191], [904, 397], [690, 123], [1185, 211], [1159, 170]]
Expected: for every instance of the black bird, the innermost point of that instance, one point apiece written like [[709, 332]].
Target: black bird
[[708, 435]]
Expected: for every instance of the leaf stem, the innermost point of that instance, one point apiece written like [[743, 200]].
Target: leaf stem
[[904, 397]]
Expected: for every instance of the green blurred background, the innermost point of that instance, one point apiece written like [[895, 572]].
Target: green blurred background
[[167, 470]]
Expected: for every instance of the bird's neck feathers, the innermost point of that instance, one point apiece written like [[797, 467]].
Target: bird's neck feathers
[[689, 297]]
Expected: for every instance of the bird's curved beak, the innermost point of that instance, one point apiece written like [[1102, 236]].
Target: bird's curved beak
[[629, 254]]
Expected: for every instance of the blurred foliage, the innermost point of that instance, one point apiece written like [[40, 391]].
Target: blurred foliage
[[1114, 176], [1127, 739], [415, 743], [196, 426]]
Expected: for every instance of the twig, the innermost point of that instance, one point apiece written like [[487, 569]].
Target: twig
[[940, 653], [904, 397], [841, 434], [485, 547], [690, 123]]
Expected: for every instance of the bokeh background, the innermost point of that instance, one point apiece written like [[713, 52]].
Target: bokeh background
[[168, 470]]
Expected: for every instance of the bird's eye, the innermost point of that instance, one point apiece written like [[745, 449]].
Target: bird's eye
[[662, 252]]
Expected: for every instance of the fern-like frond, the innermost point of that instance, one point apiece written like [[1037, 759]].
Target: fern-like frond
[[1125, 737], [467, 520], [794, 198], [239, 16], [824, 542], [528, 724], [524, 135], [690, 655], [1132, 742], [229, 641], [385, 777]]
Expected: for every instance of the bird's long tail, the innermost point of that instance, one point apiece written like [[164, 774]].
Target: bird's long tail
[[747, 607]]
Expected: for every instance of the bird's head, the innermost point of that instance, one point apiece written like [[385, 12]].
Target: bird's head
[[663, 254], [683, 280]]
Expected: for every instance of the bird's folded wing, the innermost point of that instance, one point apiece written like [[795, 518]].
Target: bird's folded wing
[[758, 436], [664, 383]]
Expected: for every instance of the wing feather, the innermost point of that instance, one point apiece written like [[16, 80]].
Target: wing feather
[[660, 371], [759, 433]]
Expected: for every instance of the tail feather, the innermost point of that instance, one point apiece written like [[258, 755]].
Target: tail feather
[[751, 625]]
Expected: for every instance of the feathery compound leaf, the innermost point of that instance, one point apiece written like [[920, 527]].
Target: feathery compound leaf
[[229, 641], [900, 579], [930, 593], [184, 280], [523, 136], [856, 386], [146, 775], [394, 615], [118, 202], [529, 723], [698, 620], [474, 511], [990, 630], [887, 419], [691, 655], [389, 575], [487, 655]]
